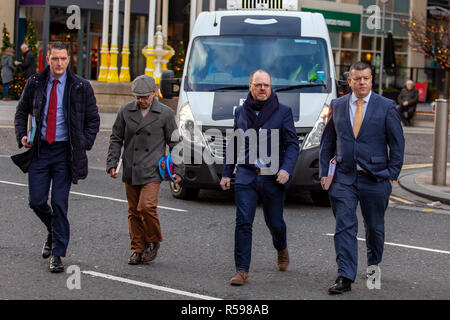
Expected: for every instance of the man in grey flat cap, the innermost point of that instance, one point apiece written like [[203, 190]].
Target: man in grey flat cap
[[143, 127]]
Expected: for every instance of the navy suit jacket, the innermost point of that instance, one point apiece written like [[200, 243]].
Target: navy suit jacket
[[378, 149], [287, 148]]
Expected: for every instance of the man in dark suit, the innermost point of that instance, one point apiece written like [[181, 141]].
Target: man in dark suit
[[67, 122], [364, 132], [29, 61], [259, 177]]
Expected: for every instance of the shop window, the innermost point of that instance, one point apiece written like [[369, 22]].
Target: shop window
[[367, 43], [401, 45], [400, 30], [348, 57], [401, 6], [367, 57], [350, 40], [334, 39], [367, 3]]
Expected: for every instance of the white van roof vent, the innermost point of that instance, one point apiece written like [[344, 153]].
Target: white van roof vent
[[291, 5]]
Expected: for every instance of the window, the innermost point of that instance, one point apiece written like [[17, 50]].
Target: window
[[225, 62]]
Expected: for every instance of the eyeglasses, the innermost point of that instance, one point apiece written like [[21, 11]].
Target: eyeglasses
[[261, 85]]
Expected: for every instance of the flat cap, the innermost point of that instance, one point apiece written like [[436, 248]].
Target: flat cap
[[143, 85]]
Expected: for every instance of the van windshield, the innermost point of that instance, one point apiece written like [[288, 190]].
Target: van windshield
[[225, 62]]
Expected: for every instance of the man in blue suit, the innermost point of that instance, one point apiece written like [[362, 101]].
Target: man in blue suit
[[364, 132], [259, 177]]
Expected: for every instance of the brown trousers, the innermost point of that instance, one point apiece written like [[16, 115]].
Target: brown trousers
[[143, 221]]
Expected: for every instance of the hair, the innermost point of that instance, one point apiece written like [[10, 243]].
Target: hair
[[260, 70], [24, 45], [9, 51], [359, 66], [58, 45]]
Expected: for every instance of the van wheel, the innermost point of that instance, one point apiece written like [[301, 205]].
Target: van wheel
[[320, 198], [181, 192]]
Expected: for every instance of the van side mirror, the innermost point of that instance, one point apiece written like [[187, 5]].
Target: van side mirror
[[170, 86]]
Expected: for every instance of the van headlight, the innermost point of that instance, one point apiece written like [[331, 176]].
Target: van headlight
[[313, 138], [189, 130]]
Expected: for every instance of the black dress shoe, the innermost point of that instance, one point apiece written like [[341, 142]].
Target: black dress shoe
[[56, 264], [341, 285], [47, 249]]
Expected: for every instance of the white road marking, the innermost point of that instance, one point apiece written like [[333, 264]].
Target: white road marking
[[403, 245], [149, 285], [93, 196]]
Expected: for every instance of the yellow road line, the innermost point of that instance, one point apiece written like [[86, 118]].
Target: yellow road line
[[401, 200]]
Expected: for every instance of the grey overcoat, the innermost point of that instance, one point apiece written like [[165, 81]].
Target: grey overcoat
[[8, 68], [144, 141]]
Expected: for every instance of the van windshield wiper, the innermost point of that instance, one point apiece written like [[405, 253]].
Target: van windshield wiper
[[299, 86], [228, 88]]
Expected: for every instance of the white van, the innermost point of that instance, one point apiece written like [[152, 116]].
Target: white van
[[225, 47]]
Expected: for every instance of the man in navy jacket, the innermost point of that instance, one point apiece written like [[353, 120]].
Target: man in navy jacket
[[67, 122], [364, 132], [264, 167]]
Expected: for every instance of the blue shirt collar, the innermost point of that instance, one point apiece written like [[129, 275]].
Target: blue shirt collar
[[62, 79]]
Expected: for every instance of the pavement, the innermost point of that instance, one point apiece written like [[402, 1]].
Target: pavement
[[416, 179]]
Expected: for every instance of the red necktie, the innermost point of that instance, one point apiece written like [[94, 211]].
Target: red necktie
[[51, 114]]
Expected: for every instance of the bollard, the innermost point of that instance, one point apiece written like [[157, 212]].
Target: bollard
[[439, 176]]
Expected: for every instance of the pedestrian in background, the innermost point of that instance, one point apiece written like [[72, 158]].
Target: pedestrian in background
[[7, 72], [143, 127], [364, 133], [260, 181], [67, 122], [29, 61], [407, 100]]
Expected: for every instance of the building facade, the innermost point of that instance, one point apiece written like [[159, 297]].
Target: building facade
[[351, 25]]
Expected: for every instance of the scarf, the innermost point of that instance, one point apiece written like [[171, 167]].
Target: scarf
[[266, 110]]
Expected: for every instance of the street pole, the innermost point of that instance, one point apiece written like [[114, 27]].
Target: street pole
[[380, 85], [439, 175]]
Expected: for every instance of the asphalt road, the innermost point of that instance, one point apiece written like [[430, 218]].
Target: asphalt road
[[195, 261]]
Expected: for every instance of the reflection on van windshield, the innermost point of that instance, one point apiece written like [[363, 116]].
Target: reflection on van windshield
[[225, 62]]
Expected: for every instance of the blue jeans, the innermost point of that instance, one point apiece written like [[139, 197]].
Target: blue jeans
[[5, 87], [272, 196], [51, 167]]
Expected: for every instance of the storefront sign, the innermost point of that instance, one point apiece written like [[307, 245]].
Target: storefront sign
[[341, 21], [32, 2]]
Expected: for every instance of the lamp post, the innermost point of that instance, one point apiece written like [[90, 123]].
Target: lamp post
[[380, 85]]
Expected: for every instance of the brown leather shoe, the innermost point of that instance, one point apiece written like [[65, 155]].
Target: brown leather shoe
[[135, 258], [282, 259], [151, 251], [239, 278]]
